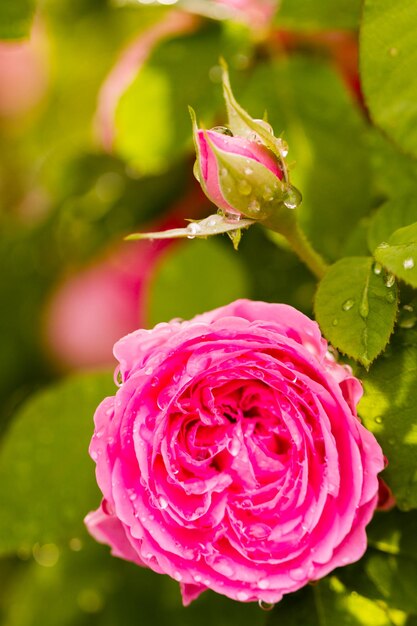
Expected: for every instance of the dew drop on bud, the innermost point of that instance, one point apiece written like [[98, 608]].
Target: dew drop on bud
[[254, 206], [243, 187], [268, 194], [222, 130], [196, 171], [292, 197], [193, 229], [232, 217], [265, 606], [265, 125], [283, 147]]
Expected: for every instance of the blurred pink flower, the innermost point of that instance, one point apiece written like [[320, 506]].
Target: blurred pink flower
[[90, 310], [231, 457], [129, 64], [23, 74]]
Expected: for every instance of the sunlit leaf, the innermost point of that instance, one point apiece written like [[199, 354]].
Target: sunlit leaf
[[356, 308]]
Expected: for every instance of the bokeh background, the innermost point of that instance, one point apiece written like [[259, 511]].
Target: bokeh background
[[95, 143]]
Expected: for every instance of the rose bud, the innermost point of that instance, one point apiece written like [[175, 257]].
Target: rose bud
[[238, 175], [241, 167]]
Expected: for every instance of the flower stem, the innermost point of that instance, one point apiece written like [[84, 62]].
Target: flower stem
[[305, 251], [300, 245]]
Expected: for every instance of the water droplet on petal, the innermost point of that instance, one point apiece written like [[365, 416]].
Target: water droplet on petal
[[234, 447], [222, 130], [408, 264], [297, 574], [265, 606], [242, 596], [292, 197], [263, 583], [162, 503], [243, 187], [348, 304]]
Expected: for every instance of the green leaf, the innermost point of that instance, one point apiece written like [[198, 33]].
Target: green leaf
[[89, 587], [152, 121], [388, 571], [195, 277], [329, 603], [332, 167], [15, 18], [47, 482], [313, 15], [399, 254], [391, 216], [388, 408], [388, 54], [356, 309]]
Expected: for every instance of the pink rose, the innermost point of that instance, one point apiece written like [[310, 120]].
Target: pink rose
[[239, 175], [231, 457]]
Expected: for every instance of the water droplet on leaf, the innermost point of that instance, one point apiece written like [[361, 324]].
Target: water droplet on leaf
[[348, 304], [390, 280], [408, 264]]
